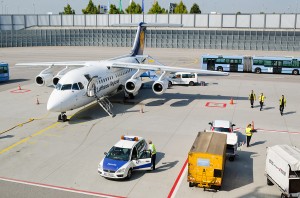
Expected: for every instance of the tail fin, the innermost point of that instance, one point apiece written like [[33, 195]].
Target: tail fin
[[139, 41]]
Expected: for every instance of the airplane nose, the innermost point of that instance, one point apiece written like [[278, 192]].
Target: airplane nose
[[53, 103]]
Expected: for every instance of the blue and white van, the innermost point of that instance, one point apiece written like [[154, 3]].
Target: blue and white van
[[128, 154]]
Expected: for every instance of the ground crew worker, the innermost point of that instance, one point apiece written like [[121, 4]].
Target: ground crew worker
[[282, 104], [248, 134], [261, 100], [252, 97], [153, 153]]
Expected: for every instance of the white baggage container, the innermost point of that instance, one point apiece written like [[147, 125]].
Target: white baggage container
[[283, 169]]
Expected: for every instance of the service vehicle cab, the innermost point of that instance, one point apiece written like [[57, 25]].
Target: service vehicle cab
[[128, 154], [181, 78], [226, 127]]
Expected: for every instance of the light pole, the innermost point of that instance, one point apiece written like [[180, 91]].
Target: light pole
[[2, 7], [33, 8]]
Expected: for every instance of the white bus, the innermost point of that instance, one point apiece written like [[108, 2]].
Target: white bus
[[222, 63]]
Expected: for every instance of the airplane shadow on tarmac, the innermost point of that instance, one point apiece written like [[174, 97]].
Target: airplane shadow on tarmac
[[120, 106]]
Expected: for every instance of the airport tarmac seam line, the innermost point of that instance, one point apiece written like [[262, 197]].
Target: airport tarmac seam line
[[60, 188], [178, 180], [27, 138]]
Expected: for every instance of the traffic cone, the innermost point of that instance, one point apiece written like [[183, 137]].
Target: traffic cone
[[37, 101], [231, 101], [19, 87]]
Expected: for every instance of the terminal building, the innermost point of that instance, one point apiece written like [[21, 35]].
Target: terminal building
[[269, 32]]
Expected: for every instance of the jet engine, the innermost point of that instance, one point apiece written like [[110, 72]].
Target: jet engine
[[55, 79], [133, 85], [43, 79], [160, 86]]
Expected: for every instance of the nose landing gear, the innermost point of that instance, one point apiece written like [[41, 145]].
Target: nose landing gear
[[62, 117]]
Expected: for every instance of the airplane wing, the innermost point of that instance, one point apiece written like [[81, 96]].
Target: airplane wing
[[166, 68], [68, 63]]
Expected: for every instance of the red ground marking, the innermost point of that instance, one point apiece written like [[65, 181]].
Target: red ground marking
[[215, 104], [270, 131], [60, 188], [20, 91], [177, 179]]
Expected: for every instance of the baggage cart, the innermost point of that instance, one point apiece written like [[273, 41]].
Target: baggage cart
[[283, 169]]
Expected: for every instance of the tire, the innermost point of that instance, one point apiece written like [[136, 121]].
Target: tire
[[220, 68], [257, 70], [59, 117], [191, 184], [283, 196], [191, 83], [64, 118], [269, 182], [295, 72], [129, 174], [231, 158]]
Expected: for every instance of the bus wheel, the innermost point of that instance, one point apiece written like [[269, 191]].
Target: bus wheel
[[191, 83], [295, 72], [220, 68], [257, 70]]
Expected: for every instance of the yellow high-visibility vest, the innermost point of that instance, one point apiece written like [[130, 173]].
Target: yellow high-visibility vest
[[284, 101], [152, 148], [248, 131], [261, 98]]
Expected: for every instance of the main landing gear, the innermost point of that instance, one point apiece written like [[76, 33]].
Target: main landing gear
[[62, 117]]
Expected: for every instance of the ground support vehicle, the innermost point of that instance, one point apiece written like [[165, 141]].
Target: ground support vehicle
[[206, 160], [182, 78], [128, 154], [283, 169], [4, 71], [226, 127]]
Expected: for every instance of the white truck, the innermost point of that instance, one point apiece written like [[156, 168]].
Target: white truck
[[283, 169]]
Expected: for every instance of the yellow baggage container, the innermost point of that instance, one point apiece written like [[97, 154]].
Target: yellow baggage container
[[206, 160]]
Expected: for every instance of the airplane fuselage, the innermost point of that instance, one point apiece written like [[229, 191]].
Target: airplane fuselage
[[71, 91]]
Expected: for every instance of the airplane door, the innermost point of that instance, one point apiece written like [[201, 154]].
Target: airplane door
[[143, 162], [91, 87]]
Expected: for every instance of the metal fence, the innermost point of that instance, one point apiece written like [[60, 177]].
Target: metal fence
[[238, 21], [282, 40]]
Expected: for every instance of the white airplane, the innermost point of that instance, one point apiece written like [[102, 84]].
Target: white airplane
[[98, 80]]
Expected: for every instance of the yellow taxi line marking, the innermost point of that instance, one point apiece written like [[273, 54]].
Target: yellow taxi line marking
[[28, 138]]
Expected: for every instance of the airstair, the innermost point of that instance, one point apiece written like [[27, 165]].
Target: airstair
[[102, 100], [105, 104]]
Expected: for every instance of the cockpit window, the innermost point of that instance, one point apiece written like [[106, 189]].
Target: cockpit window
[[58, 86], [66, 87], [80, 85], [75, 86]]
